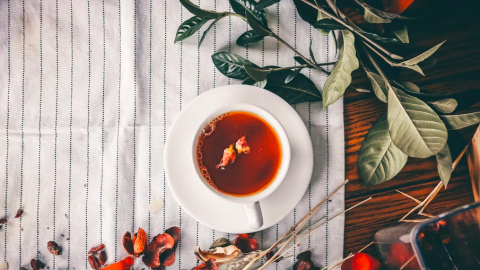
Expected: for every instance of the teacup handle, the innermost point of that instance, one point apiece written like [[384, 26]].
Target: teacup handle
[[254, 215]]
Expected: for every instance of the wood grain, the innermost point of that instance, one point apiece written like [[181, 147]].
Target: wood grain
[[457, 70]]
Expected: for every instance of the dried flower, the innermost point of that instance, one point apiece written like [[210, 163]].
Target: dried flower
[[242, 146], [53, 248], [220, 254], [228, 157], [304, 262], [37, 264], [19, 213], [167, 258], [121, 265], [221, 242], [102, 257], [96, 249], [208, 265], [159, 244], [93, 261], [246, 243], [135, 244]]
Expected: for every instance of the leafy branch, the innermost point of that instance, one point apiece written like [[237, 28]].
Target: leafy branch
[[415, 123]]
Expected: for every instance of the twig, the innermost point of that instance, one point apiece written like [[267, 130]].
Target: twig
[[408, 196], [414, 220], [300, 224], [407, 262], [365, 247], [394, 56]]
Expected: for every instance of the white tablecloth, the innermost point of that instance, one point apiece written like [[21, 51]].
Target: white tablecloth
[[88, 91]]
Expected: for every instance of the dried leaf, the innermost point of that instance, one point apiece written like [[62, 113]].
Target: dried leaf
[[460, 121], [373, 18], [444, 164], [341, 76], [414, 127], [402, 34], [379, 159], [447, 105], [408, 86], [419, 58]]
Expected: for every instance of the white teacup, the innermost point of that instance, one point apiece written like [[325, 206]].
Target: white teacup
[[251, 202]]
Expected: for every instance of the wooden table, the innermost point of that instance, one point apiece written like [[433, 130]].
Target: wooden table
[[458, 69]]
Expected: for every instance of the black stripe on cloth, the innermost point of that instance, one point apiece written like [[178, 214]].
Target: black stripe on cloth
[[180, 107], [328, 172], [134, 110], [56, 131], [118, 118], [40, 129], [6, 133], [278, 54], [150, 119], [88, 134], [165, 111], [103, 124], [71, 137]]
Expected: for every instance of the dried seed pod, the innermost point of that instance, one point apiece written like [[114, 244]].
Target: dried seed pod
[[53, 248], [159, 244], [221, 242], [96, 249], [19, 213], [102, 257], [93, 261], [128, 243], [167, 258], [37, 264], [140, 242]]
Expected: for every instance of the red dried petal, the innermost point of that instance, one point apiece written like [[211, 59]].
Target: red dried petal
[[19, 213], [159, 244], [37, 264], [139, 242], [208, 265], [96, 249], [93, 261], [102, 257], [128, 243], [242, 146], [3, 220], [53, 248], [361, 261], [304, 262], [167, 258], [246, 243], [121, 265], [228, 157]]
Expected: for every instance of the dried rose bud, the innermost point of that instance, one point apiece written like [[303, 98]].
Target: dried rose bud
[[3, 220], [102, 257], [229, 156], [53, 248], [246, 243], [19, 213], [96, 249], [242, 146], [37, 264], [93, 261]]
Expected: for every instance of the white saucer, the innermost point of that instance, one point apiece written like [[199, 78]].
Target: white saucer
[[196, 199]]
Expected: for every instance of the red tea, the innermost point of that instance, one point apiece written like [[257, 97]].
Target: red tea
[[250, 171]]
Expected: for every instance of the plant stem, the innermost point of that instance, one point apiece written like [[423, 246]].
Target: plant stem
[[377, 67], [394, 56], [292, 67], [237, 15]]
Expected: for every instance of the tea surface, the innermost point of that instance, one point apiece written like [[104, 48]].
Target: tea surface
[[249, 173]]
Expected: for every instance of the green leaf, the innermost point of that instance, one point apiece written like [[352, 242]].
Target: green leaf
[[189, 27], [321, 16], [430, 61], [447, 105], [255, 72], [379, 159], [266, 3], [341, 76], [208, 29], [257, 26], [310, 51], [230, 65], [459, 121], [402, 34], [383, 40], [300, 89], [413, 67], [249, 37], [374, 18], [419, 58], [260, 84], [415, 128], [328, 24], [306, 12], [300, 60], [378, 84], [408, 86], [242, 6], [444, 164], [196, 10], [292, 75]]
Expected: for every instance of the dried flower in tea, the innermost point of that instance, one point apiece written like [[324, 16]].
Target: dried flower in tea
[[228, 157], [242, 146]]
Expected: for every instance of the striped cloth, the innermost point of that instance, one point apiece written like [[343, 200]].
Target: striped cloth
[[88, 91]]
